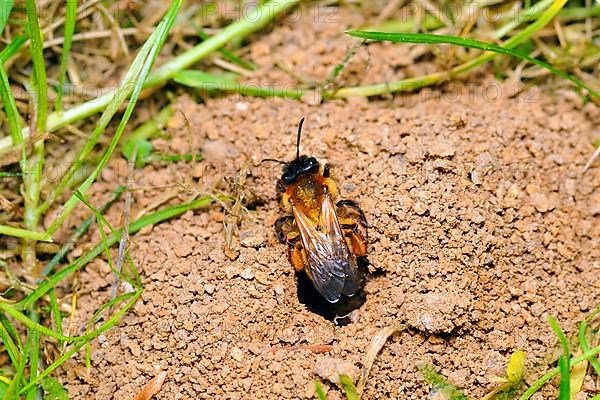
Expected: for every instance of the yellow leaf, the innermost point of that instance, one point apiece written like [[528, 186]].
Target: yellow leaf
[[516, 367], [498, 379], [578, 375]]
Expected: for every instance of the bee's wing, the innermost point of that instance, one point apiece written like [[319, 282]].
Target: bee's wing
[[330, 266]]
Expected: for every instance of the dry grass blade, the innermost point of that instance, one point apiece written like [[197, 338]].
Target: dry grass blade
[[592, 159], [153, 387], [126, 219], [375, 347], [578, 372]]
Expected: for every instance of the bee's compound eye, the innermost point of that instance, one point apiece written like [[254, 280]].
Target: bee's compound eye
[[311, 165], [287, 178]]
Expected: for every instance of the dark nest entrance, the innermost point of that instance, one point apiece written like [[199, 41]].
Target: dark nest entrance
[[336, 312]]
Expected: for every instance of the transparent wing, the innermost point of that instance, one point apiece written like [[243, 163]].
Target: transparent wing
[[330, 266]]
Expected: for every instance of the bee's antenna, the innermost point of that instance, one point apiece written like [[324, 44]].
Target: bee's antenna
[[272, 160], [298, 138]]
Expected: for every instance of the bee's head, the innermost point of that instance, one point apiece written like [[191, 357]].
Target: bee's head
[[298, 167], [301, 165]]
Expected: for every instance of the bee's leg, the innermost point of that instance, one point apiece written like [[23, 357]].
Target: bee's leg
[[351, 209], [327, 170], [297, 255], [356, 242], [354, 224], [283, 227]]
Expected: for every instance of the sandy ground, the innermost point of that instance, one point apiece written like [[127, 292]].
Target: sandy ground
[[481, 224]]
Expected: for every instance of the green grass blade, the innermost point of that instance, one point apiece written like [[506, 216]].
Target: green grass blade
[[13, 334], [39, 66], [251, 23], [319, 391], [10, 174], [32, 326], [14, 353], [102, 222], [560, 334], [20, 369], [156, 40], [439, 383], [563, 361], [10, 109], [586, 347], [349, 388], [5, 9], [537, 385], [79, 232], [119, 96], [24, 233], [255, 19], [53, 390], [100, 219], [226, 53], [12, 48], [214, 83], [526, 15], [32, 169], [71, 17], [411, 84], [34, 358], [426, 38], [521, 36], [56, 315], [84, 340], [135, 226], [565, 379]]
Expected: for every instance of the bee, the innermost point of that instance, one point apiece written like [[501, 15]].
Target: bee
[[324, 238]]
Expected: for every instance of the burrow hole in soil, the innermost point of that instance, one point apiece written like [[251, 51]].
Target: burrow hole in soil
[[336, 312]]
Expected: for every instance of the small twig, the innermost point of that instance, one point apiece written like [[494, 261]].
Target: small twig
[[560, 34], [107, 33], [226, 65], [96, 35], [588, 22], [313, 348], [116, 28], [82, 11], [153, 387], [388, 10], [126, 217]]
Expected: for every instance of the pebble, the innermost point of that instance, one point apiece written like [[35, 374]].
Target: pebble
[[441, 148], [217, 151], [184, 248], [209, 288], [237, 354], [330, 369], [542, 202], [126, 287], [247, 274], [420, 208], [253, 238]]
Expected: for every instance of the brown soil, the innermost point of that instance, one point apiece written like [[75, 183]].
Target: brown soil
[[481, 224]]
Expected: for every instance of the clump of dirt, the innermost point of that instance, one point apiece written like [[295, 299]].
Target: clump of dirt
[[481, 224]]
